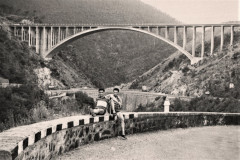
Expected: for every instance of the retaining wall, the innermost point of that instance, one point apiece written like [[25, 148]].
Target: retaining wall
[[45, 140]]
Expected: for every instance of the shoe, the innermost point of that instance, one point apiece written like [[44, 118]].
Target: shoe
[[123, 137]]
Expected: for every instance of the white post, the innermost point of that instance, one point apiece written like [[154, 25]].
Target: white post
[[166, 105]]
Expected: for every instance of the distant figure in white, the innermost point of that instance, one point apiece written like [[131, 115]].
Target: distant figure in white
[[116, 105]]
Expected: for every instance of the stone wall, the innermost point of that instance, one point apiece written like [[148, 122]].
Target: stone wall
[[45, 140]]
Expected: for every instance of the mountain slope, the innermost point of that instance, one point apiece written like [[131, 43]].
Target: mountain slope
[[107, 58], [91, 11], [213, 74]]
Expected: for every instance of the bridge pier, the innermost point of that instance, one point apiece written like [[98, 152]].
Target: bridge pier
[[184, 37], [193, 41], [222, 38], [175, 35], [22, 34], [51, 37], [59, 34], [203, 41], [166, 32], [29, 36], [37, 40], [67, 32], [48, 38], [212, 40], [44, 42], [232, 32]]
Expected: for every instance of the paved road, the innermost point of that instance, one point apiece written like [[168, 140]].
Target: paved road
[[203, 143]]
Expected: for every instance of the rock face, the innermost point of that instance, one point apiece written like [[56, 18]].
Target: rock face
[[45, 80]]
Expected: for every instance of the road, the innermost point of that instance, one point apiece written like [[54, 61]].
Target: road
[[202, 143]]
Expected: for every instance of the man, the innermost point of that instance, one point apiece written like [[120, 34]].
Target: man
[[116, 105], [101, 104]]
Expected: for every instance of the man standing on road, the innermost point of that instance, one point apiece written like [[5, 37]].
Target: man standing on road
[[101, 104], [116, 105]]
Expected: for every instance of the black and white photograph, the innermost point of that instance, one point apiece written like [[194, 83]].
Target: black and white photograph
[[119, 79]]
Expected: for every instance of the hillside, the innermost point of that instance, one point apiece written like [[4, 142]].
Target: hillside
[[17, 61], [90, 11], [107, 58], [213, 74], [28, 103]]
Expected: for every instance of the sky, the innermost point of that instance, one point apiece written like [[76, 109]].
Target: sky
[[199, 11]]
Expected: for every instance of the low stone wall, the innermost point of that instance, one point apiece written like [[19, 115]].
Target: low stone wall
[[45, 140]]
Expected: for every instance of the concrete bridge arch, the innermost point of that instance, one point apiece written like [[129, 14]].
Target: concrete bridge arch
[[50, 53], [48, 37]]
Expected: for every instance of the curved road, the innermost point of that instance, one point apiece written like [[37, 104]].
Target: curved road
[[202, 143]]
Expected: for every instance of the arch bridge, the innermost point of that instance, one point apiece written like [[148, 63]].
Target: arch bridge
[[49, 37]]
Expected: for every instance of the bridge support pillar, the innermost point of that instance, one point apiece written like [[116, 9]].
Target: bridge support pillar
[[74, 30], [59, 34], [29, 36], [222, 38], [166, 32], [37, 40], [184, 37], [66, 32], [175, 35], [51, 37], [22, 34], [203, 41], [48, 31], [43, 42], [212, 40], [33, 37], [231, 39], [15, 31], [193, 41]]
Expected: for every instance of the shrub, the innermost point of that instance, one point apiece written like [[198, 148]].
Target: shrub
[[207, 104], [39, 111], [83, 98], [17, 104]]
